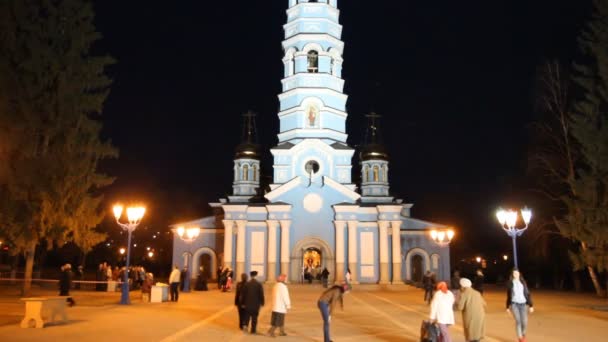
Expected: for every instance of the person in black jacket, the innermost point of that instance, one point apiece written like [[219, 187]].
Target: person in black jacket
[[251, 299], [65, 283], [237, 296], [519, 303], [478, 281]]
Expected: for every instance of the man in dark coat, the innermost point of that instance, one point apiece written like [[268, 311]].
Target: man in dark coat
[[65, 283], [251, 299], [237, 298]]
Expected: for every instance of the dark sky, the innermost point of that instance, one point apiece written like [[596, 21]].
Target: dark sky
[[453, 81]]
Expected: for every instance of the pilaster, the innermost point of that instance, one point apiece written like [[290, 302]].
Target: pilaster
[[383, 239], [352, 251], [272, 250], [339, 251], [240, 247], [228, 224], [285, 225], [396, 227]]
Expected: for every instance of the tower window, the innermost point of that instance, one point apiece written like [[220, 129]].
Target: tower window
[[313, 61], [246, 172], [376, 176], [366, 175], [255, 173]]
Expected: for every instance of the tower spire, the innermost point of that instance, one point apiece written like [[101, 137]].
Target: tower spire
[[249, 127]]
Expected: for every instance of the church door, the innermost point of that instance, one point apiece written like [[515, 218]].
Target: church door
[[205, 263], [312, 262], [416, 265]]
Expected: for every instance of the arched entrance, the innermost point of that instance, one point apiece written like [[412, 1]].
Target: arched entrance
[[207, 258], [417, 262], [313, 248], [416, 265], [312, 260]]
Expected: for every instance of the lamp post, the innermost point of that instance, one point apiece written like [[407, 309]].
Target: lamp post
[[508, 220], [188, 235], [442, 237], [134, 216]]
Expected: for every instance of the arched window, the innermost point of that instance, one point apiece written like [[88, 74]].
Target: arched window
[[245, 172], [376, 175], [255, 173], [313, 61], [366, 175]]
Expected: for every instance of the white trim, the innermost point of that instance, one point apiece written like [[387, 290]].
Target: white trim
[[341, 188], [271, 196], [294, 40], [256, 210], [230, 208], [368, 210], [256, 224], [345, 208], [312, 91], [408, 257]]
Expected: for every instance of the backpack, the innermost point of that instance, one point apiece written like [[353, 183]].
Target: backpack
[[429, 332]]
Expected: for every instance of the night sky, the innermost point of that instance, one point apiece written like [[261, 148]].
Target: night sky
[[453, 80]]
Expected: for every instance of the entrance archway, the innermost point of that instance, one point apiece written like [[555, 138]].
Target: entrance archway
[[207, 258], [416, 265], [417, 262], [311, 245]]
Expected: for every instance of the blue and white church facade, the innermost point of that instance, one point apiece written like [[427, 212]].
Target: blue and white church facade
[[313, 212]]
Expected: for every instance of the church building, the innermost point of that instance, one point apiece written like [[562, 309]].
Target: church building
[[313, 213]]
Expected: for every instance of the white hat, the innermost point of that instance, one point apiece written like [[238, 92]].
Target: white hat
[[464, 282]]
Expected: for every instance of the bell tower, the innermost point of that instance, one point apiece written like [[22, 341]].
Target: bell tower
[[246, 162], [312, 112]]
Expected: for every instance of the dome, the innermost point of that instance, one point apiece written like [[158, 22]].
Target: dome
[[372, 152], [247, 150]]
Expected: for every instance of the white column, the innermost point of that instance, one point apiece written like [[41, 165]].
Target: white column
[[228, 224], [383, 237], [396, 226], [285, 224], [272, 250], [339, 251], [240, 248], [352, 251]]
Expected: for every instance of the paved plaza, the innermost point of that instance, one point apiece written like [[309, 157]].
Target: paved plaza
[[371, 313]]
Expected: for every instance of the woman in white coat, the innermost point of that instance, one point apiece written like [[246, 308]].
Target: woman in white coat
[[280, 304], [442, 310]]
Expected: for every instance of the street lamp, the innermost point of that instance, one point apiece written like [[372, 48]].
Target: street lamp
[[508, 219], [442, 237], [187, 235], [134, 216]]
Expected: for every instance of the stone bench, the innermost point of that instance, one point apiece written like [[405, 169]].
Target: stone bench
[[41, 310]]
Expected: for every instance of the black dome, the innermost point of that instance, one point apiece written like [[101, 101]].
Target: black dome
[[372, 152], [247, 150]]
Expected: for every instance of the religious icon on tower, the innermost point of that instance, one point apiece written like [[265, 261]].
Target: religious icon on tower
[[312, 116]]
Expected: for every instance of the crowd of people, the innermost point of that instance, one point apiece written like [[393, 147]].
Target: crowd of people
[[105, 274], [467, 296], [461, 295]]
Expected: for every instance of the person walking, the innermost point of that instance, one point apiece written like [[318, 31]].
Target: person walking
[[237, 296], [146, 288], [326, 304], [478, 281], [472, 305], [65, 283], [442, 310], [519, 303], [280, 304], [349, 279], [174, 283], [325, 277], [251, 299], [428, 283]]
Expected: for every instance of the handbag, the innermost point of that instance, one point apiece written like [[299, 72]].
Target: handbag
[[429, 331]]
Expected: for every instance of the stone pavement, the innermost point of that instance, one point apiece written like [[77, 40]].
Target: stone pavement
[[371, 313]]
